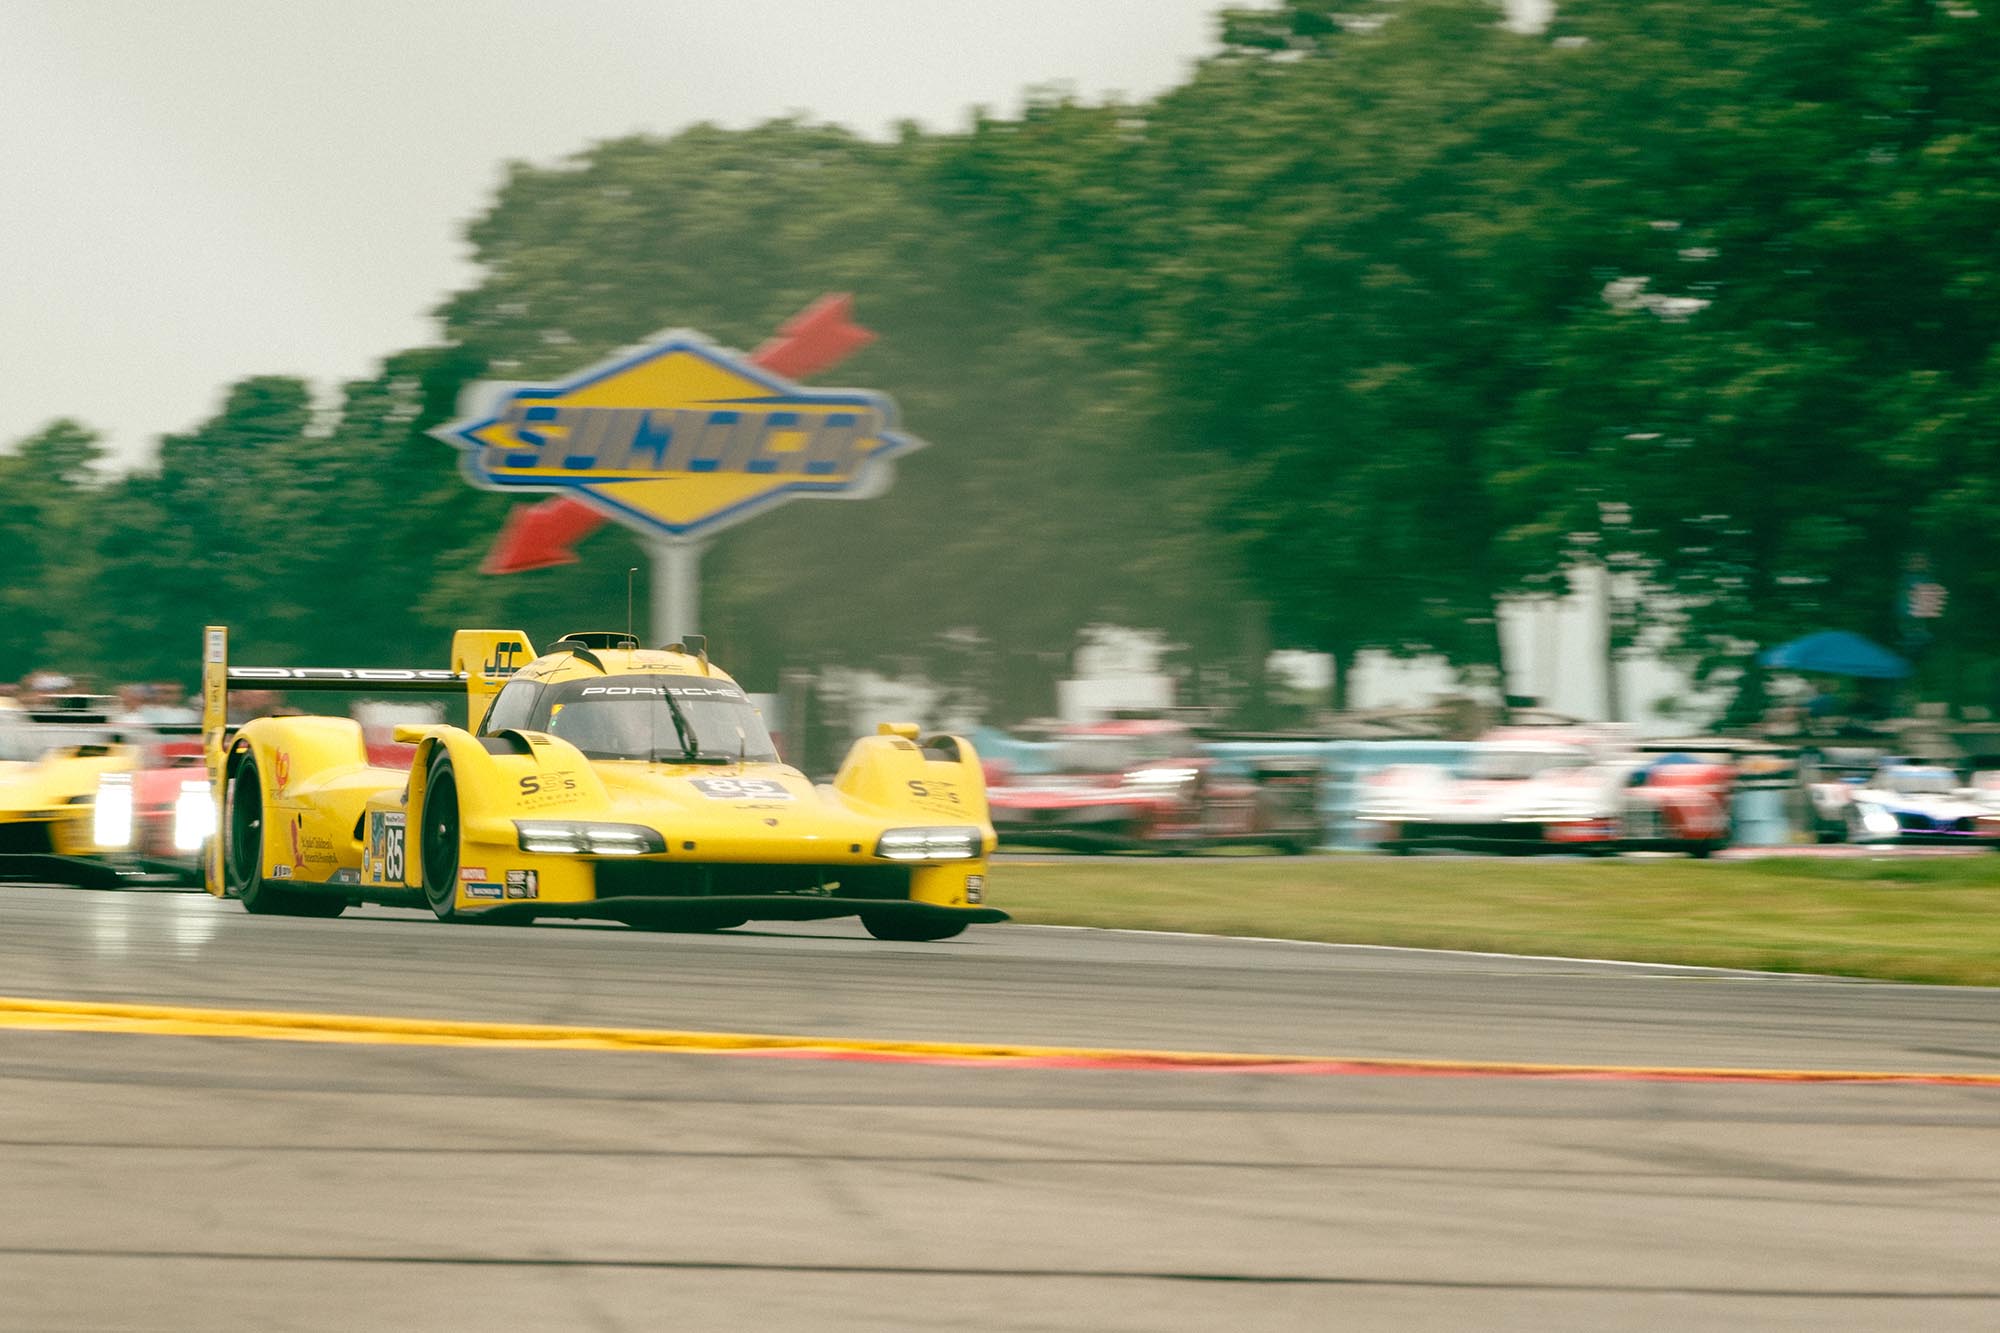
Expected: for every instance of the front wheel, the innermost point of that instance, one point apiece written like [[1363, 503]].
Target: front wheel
[[910, 930], [243, 856], [438, 844]]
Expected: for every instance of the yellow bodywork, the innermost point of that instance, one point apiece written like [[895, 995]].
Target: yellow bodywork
[[332, 819], [56, 791]]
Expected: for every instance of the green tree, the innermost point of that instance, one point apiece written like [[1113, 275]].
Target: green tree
[[49, 483], [1781, 315]]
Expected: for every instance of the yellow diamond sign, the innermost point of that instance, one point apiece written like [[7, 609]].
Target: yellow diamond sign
[[679, 437]]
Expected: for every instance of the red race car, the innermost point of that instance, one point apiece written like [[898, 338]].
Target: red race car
[[1146, 785]]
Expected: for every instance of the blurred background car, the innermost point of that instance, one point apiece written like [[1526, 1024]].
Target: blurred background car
[[1145, 784], [1519, 792], [1904, 803], [96, 799]]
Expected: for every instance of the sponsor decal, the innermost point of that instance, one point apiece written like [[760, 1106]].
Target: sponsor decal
[[553, 786], [282, 772], [506, 652], [679, 437], [482, 891], [281, 872], [656, 691], [524, 884], [279, 677], [345, 876], [218, 649], [975, 888], [934, 792], [309, 848], [741, 789], [472, 872]]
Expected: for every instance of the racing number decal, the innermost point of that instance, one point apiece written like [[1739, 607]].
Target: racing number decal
[[741, 789], [385, 847], [392, 853]]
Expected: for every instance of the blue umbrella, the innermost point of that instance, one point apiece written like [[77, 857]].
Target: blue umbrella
[[1836, 652]]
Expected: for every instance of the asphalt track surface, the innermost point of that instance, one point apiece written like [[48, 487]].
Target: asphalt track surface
[[175, 1182]]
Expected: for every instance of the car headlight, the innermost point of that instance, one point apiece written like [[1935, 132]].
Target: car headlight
[[929, 844], [1877, 820], [575, 837], [194, 815], [111, 821]]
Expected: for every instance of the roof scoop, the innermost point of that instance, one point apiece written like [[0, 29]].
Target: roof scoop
[[597, 639]]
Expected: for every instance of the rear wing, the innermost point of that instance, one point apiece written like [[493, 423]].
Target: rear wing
[[481, 662]]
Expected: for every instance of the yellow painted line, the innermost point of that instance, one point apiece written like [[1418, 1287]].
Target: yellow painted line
[[365, 1029]]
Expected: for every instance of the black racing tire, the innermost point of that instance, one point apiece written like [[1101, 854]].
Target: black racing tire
[[1702, 849], [243, 836], [243, 856], [438, 840], [909, 930]]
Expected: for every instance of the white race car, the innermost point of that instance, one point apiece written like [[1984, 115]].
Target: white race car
[[1521, 794], [1906, 803]]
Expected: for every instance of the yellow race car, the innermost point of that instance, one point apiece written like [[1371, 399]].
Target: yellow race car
[[602, 779], [55, 764]]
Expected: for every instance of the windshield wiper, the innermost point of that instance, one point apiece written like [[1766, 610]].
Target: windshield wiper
[[691, 752], [689, 749]]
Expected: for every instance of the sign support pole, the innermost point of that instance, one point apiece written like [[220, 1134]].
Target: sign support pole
[[676, 588]]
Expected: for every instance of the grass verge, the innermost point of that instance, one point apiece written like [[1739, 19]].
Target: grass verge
[[1908, 919]]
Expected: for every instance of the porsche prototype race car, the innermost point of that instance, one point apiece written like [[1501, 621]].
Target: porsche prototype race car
[[1519, 792], [1901, 803], [1144, 784], [68, 779], [602, 780]]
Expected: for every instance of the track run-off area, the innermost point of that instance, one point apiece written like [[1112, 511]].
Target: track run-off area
[[218, 1120]]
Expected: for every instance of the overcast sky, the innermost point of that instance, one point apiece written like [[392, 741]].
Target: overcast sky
[[197, 190]]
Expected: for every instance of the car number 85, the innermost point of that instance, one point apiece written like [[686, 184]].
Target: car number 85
[[392, 854]]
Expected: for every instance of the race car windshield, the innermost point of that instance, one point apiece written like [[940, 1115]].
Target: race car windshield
[[1519, 765], [655, 717]]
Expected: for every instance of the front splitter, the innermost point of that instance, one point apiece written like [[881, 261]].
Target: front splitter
[[665, 909]]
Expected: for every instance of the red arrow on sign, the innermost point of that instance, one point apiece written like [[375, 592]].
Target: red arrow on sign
[[544, 534]]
